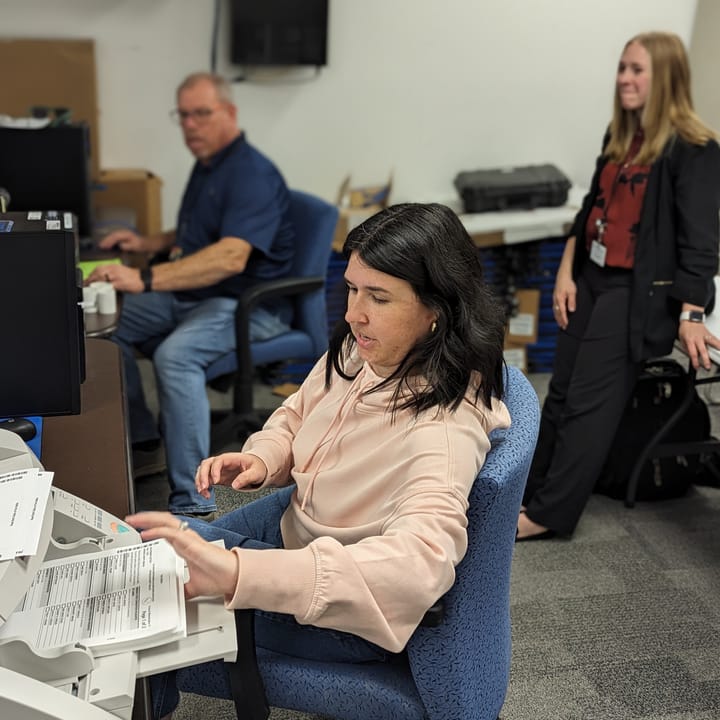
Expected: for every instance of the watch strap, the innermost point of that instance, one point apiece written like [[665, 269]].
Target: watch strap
[[146, 275], [696, 316]]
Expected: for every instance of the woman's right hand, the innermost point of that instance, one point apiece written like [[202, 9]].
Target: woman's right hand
[[213, 570], [565, 291], [235, 470], [564, 297]]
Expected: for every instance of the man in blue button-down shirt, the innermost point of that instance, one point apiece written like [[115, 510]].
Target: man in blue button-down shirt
[[232, 231]]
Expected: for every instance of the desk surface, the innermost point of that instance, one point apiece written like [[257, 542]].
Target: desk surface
[[99, 325], [509, 227], [90, 452]]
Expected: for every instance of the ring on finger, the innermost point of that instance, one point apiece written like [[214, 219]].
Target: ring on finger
[[184, 525]]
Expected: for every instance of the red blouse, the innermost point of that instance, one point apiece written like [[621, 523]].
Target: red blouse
[[617, 208]]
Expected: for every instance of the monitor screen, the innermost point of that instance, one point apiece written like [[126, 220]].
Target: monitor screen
[[48, 169], [41, 329], [279, 32]]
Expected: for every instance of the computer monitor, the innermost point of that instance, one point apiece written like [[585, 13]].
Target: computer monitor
[[42, 341], [48, 169]]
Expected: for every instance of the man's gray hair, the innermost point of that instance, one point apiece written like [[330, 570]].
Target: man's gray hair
[[221, 84]]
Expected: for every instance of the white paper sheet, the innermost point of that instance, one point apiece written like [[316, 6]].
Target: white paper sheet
[[129, 597], [24, 496]]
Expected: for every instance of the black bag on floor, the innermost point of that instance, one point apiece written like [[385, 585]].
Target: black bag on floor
[[658, 393]]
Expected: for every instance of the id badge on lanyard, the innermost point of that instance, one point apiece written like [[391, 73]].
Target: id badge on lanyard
[[598, 251]]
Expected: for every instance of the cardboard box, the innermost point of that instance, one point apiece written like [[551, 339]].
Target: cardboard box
[[132, 189], [522, 329], [488, 239], [349, 218], [515, 355], [54, 74], [364, 197], [356, 205], [523, 324]]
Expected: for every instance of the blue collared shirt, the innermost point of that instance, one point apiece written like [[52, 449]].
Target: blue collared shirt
[[238, 193]]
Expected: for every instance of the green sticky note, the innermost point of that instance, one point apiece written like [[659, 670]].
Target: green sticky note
[[87, 266]]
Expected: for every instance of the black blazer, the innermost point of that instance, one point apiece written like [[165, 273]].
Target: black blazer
[[676, 254]]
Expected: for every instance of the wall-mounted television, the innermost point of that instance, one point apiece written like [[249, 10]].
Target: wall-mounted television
[[278, 32]]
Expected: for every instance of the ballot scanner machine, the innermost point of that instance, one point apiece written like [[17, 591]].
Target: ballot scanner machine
[[70, 682]]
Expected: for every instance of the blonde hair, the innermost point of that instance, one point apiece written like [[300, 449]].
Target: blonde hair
[[669, 108]]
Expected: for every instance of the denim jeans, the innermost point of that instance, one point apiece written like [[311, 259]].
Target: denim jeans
[[188, 336], [257, 526]]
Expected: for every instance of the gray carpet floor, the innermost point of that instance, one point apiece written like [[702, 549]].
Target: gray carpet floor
[[620, 623]]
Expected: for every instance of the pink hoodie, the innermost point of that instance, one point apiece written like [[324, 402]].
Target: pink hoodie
[[377, 524]]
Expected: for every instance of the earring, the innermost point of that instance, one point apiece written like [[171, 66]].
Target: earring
[[433, 327]]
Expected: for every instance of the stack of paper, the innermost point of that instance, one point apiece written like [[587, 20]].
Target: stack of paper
[[113, 600]]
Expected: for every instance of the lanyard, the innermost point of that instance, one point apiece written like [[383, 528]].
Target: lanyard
[[601, 222]]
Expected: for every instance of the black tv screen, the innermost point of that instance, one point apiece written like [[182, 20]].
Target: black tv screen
[[279, 32], [48, 169]]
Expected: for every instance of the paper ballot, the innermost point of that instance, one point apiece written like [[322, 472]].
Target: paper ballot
[[23, 497], [113, 600]]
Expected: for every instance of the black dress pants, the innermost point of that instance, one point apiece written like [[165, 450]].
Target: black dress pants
[[593, 377]]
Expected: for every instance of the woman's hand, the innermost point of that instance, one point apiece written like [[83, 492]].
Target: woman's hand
[[235, 470], [213, 570], [565, 291], [695, 339], [564, 297]]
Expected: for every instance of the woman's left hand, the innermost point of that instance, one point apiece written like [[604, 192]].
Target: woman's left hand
[[696, 339], [213, 570]]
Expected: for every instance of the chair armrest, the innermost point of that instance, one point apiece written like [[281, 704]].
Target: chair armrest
[[282, 286], [273, 288], [242, 397]]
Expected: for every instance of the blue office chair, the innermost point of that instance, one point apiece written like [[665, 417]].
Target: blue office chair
[[314, 221], [455, 670]]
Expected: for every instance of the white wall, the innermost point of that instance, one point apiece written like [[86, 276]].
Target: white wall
[[704, 58], [422, 87]]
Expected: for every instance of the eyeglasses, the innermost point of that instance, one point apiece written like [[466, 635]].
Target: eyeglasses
[[199, 116]]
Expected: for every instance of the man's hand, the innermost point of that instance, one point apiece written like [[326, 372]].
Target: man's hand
[[125, 240], [123, 278]]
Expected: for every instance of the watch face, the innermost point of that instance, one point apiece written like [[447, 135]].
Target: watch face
[[696, 316]]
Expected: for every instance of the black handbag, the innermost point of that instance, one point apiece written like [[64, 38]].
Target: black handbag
[[658, 393]]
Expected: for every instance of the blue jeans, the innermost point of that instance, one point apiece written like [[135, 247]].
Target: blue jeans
[[187, 337], [257, 526]]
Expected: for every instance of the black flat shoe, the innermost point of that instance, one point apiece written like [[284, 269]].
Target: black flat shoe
[[545, 535]]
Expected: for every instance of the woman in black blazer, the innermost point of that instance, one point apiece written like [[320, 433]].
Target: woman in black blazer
[[636, 273]]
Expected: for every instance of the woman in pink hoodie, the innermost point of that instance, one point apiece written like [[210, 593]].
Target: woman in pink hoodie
[[377, 452]]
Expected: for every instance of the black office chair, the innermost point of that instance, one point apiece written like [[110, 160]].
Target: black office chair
[[314, 221]]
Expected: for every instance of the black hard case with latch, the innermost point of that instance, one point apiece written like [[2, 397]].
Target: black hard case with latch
[[515, 188]]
